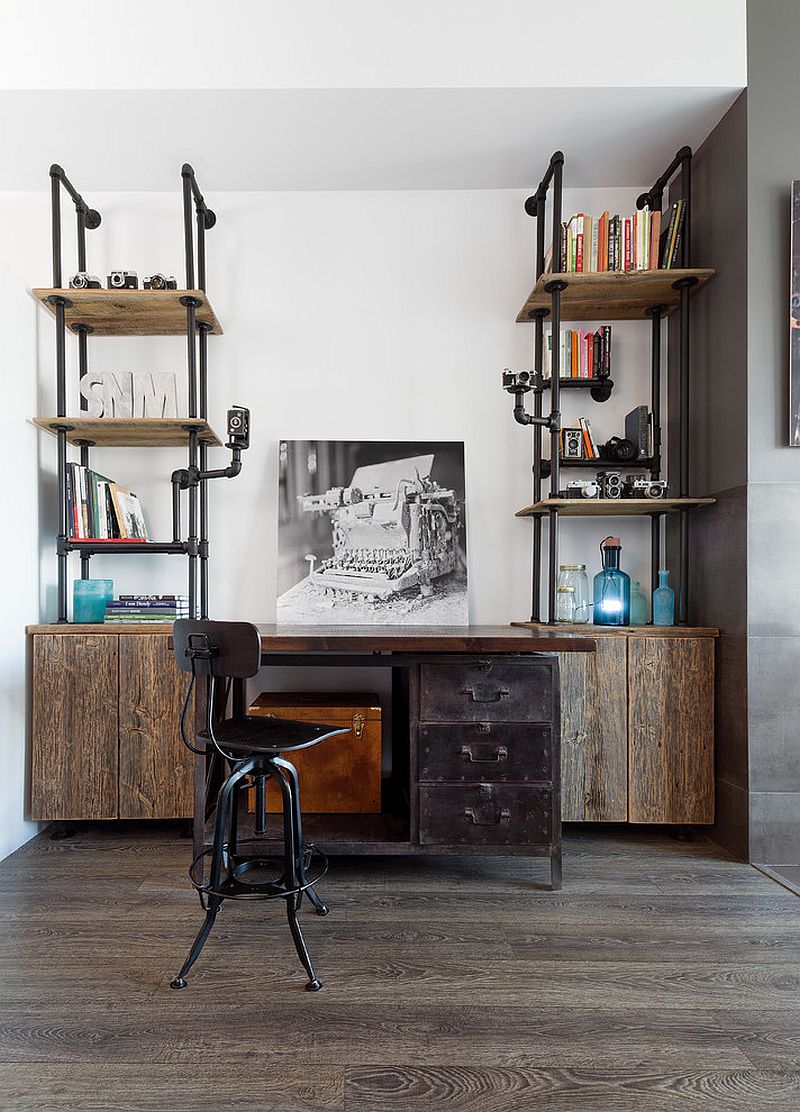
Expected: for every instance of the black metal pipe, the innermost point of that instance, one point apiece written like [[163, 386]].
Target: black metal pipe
[[176, 509], [55, 216], [661, 183], [201, 249], [61, 358], [655, 552], [192, 535], [79, 214], [62, 523], [656, 316], [533, 202], [191, 352], [188, 177], [686, 184], [85, 556]]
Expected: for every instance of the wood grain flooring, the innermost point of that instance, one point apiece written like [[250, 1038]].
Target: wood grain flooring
[[663, 976]]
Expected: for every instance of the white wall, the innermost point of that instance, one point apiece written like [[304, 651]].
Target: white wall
[[346, 315]]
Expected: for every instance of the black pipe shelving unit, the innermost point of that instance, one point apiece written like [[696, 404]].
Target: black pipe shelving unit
[[633, 295], [136, 312]]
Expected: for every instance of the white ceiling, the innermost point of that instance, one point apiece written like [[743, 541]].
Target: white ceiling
[[349, 139]]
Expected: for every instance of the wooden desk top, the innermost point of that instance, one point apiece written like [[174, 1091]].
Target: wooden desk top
[[417, 639]]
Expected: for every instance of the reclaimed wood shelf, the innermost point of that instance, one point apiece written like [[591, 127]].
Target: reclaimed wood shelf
[[586, 629], [130, 312], [604, 295], [606, 464], [131, 432], [611, 507]]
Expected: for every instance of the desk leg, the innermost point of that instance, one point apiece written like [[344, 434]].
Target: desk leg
[[555, 867], [200, 772], [555, 849]]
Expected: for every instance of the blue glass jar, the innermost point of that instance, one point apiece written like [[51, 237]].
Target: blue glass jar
[[663, 601], [640, 609], [612, 588], [89, 598]]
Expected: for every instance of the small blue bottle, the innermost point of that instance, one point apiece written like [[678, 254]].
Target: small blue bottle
[[612, 588], [640, 611], [663, 601]]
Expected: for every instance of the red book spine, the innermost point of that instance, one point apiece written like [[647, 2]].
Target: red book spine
[[627, 249], [589, 355], [579, 253]]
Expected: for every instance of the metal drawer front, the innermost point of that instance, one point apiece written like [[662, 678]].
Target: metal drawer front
[[486, 690], [485, 815], [485, 752]]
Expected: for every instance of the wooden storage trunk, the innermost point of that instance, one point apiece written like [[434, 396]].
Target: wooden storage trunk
[[342, 774]]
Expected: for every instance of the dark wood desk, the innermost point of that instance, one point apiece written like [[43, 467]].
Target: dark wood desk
[[474, 751]]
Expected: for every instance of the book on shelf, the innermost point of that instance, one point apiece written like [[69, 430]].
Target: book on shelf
[[98, 509], [582, 353], [147, 608], [638, 427], [619, 243]]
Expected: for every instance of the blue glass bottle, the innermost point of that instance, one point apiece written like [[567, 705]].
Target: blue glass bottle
[[663, 601], [612, 588], [640, 610]]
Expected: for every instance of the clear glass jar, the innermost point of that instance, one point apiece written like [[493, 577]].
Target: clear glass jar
[[574, 575], [565, 604]]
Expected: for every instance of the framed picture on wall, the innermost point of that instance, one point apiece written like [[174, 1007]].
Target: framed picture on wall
[[794, 323], [372, 533]]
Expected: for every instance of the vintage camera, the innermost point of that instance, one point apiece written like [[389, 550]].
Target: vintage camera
[[160, 282], [123, 280], [637, 487], [582, 488], [238, 427], [619, 450], [517, 381], [610, 483], [84, 281], [572, 443]]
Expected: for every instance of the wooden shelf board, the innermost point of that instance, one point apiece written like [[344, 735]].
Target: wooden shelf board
[[588, 630], [131, 432], [612, 507], [607, 464], [83, 628], [130, 312], [612, 296]]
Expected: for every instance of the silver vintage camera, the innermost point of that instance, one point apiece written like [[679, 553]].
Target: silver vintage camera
[[637, 487], [84, 281], [582, 488], [572, 443], [160, 282], [123, 280]]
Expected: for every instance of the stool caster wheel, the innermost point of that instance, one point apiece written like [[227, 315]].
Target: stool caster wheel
[[178, 982], [314, 986]]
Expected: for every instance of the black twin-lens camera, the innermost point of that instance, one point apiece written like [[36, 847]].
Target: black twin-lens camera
[[238, 427], [518, 382]]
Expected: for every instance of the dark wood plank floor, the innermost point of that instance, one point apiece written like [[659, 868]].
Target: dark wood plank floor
[[664, 976]]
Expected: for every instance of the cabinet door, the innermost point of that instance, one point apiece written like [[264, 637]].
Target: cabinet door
[[74, 727], [155, 768], [594, 732], [671, 714]]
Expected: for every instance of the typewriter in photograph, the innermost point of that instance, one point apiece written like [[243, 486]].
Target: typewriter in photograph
[[392, 529]]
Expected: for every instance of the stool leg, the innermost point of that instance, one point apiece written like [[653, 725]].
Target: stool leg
[[292, 904], [214, 903], [294, 788], [261, 804], [293, 855]]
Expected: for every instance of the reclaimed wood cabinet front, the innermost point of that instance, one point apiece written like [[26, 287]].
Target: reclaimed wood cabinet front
[[104, 728], [637, 739]]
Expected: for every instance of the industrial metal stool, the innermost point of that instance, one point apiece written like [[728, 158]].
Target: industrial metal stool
[[251, 747]]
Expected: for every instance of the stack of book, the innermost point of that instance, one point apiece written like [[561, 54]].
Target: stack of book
[[147, 608], [99, 509], [582, 354], [619, 243]]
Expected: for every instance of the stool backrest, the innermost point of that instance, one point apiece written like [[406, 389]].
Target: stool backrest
[[222, 649]]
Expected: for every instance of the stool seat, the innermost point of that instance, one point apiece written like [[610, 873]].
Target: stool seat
[[269, 735]]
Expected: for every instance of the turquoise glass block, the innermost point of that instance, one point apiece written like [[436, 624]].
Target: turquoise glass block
[[89, 598]]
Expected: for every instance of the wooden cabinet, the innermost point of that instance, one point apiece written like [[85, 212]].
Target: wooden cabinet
[[637, 727], [104, 726]]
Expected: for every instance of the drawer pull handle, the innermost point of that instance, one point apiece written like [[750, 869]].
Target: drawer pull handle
[[500, 754], [483, 696], [503, 815]]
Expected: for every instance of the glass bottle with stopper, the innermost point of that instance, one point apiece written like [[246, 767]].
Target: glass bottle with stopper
[[612, 587]]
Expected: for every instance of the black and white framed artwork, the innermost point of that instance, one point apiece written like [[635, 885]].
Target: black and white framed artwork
[[371, 533]]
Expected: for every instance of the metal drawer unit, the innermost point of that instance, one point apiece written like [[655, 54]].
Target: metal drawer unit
[[486, 775]]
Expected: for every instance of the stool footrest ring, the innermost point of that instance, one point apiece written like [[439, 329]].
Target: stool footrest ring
[[233, 887]]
